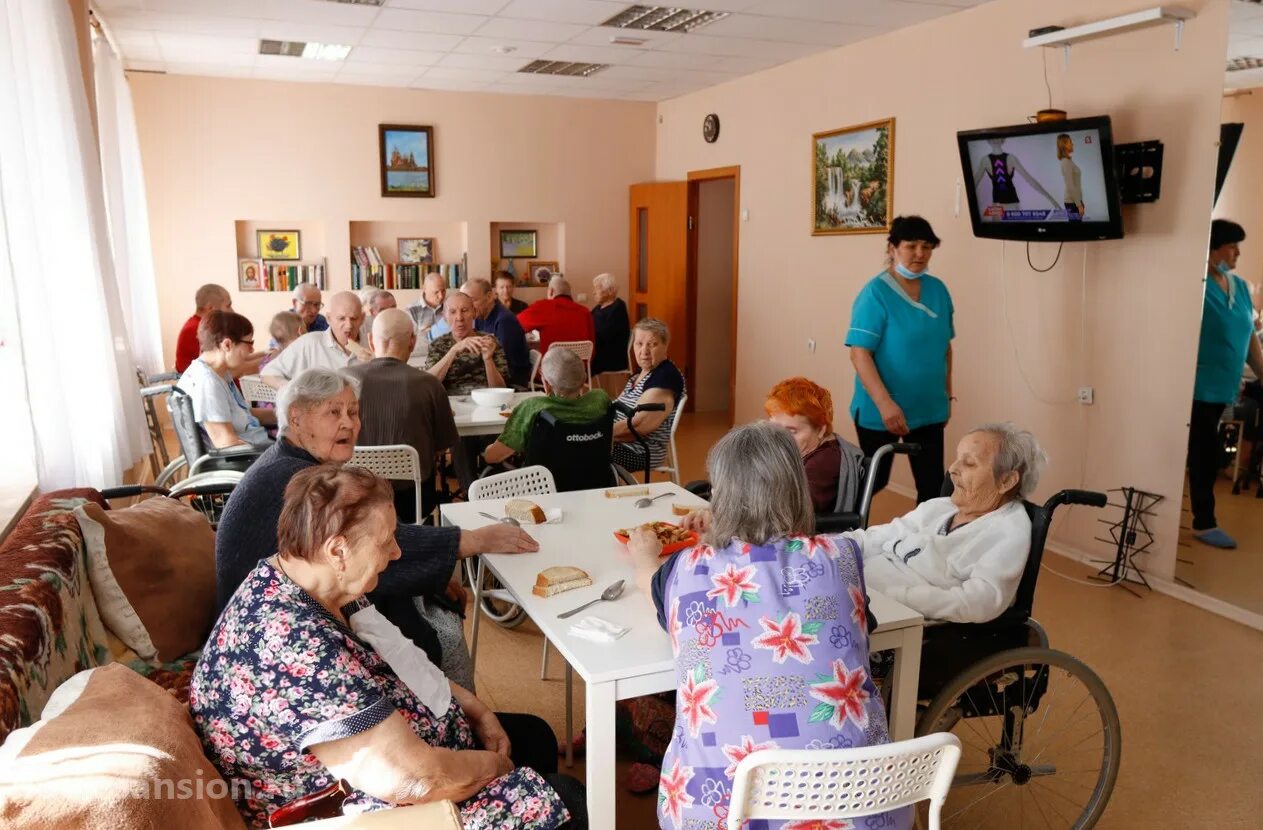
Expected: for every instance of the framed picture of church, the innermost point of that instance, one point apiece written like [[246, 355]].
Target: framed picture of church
[[853, 179], [407, 160]]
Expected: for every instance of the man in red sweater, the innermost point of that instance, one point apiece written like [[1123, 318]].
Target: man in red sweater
[[558, 317], [209, 297]]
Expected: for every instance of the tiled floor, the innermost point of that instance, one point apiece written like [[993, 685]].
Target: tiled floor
[[1187, 685]]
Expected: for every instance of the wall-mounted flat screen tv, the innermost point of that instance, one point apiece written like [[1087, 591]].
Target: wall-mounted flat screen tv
[[1054, 181]]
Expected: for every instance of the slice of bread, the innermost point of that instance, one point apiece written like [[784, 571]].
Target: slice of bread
[[681, 509], [525, 511], [558, 580]]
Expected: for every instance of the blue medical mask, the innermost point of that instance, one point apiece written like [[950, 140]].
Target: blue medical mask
[[906, 274], [1222, 267]]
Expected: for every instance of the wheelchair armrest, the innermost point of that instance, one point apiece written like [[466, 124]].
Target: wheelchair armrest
[[162, 377], [235, 451], [629, 410], [128, 491], [838, 522]]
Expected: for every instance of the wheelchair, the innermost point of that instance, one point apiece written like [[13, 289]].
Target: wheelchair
[[195, 455], [206, 492], [1040, 735]]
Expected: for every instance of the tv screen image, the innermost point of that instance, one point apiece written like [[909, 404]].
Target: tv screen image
[[1052, 181]]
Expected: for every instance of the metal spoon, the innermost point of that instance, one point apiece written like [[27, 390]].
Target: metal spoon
[[647, 502], [505, 520], [611, 593]]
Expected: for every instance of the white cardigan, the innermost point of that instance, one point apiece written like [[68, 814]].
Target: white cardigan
[[968, 575]]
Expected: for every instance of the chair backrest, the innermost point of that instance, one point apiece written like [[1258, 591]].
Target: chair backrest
[[187, 430], [536, 359], [528, 481], [809, 784], [395, 462], [578, 455], [254, 389]]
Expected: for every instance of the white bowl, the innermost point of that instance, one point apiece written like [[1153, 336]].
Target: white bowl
[[495, 397]]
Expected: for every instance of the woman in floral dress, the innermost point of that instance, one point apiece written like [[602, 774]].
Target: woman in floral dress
[[769, 630], [303, 682]]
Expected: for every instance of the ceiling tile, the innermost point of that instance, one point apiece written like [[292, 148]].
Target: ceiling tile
[[721, 5], [214, 70], [487, 7], [423, 41], [639, 73], [882, 14], [1245, 47], [146, 66], [793, 31], [140, 51], [287, 64], [189, 23], [449, 73], [746, 64], [132, 37], [392, 70], [310, 11], [504, 63], [600, 36], [399, 57], [1241, 12], [591, 12], [530, 30], [959, 4], [591, 54], [671, 60], [741, 47], [173, 42], [438, 22], [311, 32], [448, 84], [222, 8], [309, 77], [528, 49]]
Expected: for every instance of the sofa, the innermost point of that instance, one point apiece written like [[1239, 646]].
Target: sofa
[[94, 689]]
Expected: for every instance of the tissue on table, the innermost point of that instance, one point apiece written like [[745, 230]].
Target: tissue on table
[[597, 629]]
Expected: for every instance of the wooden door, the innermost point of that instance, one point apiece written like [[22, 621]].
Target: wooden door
[[658, 262]]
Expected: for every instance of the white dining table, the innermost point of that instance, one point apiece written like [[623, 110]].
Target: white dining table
[[472, 419], [640, 662]]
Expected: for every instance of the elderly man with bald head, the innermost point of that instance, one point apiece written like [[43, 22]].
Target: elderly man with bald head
[[558, 318], [400, 404], [427, 312], [209, 297], [334, 348], [464, 359], [499, 322]]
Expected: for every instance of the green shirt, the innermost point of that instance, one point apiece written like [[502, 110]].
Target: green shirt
[[580, 410]]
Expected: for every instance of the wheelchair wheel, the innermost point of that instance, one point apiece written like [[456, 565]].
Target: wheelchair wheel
[[497, 603], [1040, 741]]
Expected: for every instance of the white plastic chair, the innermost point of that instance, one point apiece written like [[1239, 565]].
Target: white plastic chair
[[582, 348], [807, 784], [395, 462], [254, 390], [536, 359], [527, 481], [673, 469]]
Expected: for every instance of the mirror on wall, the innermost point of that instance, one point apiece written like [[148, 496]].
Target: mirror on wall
[[1221, 541]]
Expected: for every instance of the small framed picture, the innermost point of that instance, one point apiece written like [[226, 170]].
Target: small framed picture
[[519, 244], [250, 275], [416, 249], [542, 271], [407, 159], [279, 245]]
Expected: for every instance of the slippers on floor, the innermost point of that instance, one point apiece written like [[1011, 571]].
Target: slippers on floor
[[642, 778], [1216, 538]]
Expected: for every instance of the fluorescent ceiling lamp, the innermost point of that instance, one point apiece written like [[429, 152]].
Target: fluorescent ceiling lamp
[[326, 51], [298, 49]]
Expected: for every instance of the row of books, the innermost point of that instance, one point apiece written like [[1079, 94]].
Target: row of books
[[258, 275], [405, 275]]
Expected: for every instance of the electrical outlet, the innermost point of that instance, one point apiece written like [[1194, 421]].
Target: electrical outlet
[[1087, 395], [583, 298], [811, 346]]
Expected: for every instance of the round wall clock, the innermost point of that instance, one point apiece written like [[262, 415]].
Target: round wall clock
[[710, 128]]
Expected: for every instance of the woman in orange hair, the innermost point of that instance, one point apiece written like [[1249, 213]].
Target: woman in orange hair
[[806, 410]]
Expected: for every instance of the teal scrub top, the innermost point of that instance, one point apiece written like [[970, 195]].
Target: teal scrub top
[[909, 342], [1227, 326]]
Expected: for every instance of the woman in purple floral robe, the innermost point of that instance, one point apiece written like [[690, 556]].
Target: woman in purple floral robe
[[303, 682], [768, 625]]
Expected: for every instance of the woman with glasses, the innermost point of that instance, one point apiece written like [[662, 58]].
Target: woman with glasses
[[227, 342]]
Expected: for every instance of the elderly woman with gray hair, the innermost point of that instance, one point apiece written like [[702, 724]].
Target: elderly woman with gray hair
[[319, 415], [762, 615], [613, 326], [655, 379]]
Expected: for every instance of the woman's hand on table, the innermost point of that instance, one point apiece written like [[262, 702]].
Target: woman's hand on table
[[496, 538], [698, 521]]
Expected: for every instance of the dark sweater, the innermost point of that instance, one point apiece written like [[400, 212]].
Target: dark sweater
[[247, 533]]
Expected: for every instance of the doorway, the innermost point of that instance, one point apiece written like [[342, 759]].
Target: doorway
[[712, 290]]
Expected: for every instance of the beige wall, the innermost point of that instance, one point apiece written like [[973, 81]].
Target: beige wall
[[713, 370], [217, 151], [1143, 293]]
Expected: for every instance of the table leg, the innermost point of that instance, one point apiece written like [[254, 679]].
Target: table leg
[[600, 754], [904, 678], [569, 716], [477, 612]]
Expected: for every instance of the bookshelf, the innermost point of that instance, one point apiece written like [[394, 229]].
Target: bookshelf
[[255, 273], [375, 254]]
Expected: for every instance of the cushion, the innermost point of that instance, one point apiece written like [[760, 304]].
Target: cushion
[[113, 750], [152, 568]]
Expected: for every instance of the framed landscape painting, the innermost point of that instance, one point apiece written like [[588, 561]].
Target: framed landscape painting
[[279, 245], [514, 244], [407, 160], [419, 249], [853, 179]]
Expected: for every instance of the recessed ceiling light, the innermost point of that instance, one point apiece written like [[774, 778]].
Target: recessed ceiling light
[[503, 50], [299, 49], [574, 69], [663, 18], [623, 40]]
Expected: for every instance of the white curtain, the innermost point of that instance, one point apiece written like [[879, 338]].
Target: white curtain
[[78, 369], [126, 207]]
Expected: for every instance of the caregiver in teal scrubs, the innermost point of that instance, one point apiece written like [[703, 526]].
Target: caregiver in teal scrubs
[[901, 346], [1227, 343]]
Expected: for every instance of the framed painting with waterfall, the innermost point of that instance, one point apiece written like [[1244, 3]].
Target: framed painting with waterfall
[[853, 179]]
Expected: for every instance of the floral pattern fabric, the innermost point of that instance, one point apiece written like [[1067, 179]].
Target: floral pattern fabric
[[771, 651], [280, 673]]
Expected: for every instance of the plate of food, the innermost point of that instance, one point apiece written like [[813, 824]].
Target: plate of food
[[672, 537]]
